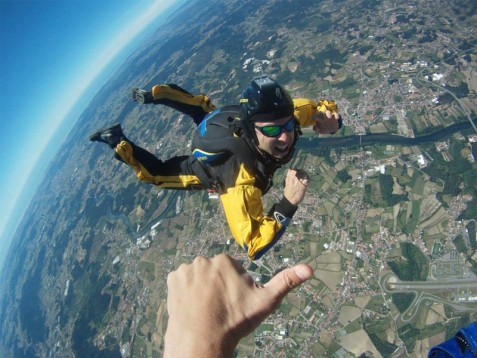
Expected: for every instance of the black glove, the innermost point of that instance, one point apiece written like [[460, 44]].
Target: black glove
[[142, 96]]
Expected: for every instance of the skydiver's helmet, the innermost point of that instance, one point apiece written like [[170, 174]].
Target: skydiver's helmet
[[266, 101]]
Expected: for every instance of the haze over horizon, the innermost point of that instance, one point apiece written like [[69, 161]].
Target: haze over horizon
[[50, 52]]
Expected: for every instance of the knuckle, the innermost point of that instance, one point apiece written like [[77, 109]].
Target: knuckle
[[289, 281], [199, 260]]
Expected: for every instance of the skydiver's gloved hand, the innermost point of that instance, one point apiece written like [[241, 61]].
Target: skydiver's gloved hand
[[328, 120], [213, 303], [296, 183], [142, 96]]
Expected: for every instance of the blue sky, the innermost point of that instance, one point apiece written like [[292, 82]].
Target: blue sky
[[50, 50]]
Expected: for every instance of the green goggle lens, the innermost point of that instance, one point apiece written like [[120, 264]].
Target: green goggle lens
[[275, 130]]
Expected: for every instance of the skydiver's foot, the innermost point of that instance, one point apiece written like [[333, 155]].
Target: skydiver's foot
[[111, 135], [117, 157], [142, 96]]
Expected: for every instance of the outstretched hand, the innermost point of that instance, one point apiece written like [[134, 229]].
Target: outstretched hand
[[213, 303], [327, 117], [327, 122]]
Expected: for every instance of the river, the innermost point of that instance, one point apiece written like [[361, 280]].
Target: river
[[349, 141], [383, 138]]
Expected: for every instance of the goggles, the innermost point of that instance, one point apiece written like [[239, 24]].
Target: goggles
[[275, 130]]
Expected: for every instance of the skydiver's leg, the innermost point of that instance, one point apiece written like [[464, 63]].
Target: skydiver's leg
[[171, 95], [174, 173]]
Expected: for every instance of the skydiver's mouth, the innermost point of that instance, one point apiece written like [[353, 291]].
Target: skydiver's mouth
[[281, 149]]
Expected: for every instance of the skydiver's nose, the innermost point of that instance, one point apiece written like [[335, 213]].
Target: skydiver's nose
[[284, 135]]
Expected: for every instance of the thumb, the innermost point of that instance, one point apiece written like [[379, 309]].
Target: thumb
[[286, 280]]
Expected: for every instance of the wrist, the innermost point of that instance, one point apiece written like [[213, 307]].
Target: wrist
[[185, 343], [284, 207]]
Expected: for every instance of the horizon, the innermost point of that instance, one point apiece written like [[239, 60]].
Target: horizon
[[39, 115]]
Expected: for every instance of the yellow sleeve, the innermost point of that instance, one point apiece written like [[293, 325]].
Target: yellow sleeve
[[253, 231], [307, 109]]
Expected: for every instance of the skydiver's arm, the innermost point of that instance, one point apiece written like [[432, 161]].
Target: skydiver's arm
[[253, 230], [322, 115]]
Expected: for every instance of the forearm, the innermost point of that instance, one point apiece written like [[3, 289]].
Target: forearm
[[271, 228], [181, 343], [282, 212], [252, 229], [305, 110], [284, 208]]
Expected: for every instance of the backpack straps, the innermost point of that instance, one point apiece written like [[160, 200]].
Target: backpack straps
[[215, 137]]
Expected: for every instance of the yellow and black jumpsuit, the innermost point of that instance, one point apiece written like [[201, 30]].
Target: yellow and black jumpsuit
[[223, 159]]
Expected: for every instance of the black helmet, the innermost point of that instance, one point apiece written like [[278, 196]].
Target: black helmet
[[265, 100]]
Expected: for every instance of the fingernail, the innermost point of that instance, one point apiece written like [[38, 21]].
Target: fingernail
[[304, 272]]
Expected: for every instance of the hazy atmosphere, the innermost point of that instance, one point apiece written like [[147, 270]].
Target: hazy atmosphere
[[50, 51]]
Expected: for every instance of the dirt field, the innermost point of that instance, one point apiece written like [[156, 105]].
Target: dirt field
[[358, 342], [421, 349], [348, 314], [435, 314], [436, 218], [329, 269], [371, 213], [362, 301], [157, 336]]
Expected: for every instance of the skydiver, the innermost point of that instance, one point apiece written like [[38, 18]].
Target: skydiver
[[236, 150]]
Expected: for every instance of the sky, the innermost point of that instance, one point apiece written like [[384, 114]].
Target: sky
[[50, 51]]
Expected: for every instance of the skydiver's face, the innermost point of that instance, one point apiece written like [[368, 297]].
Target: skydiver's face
[[277, 137]]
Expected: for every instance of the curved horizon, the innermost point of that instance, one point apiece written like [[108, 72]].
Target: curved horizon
[[42, 116]]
